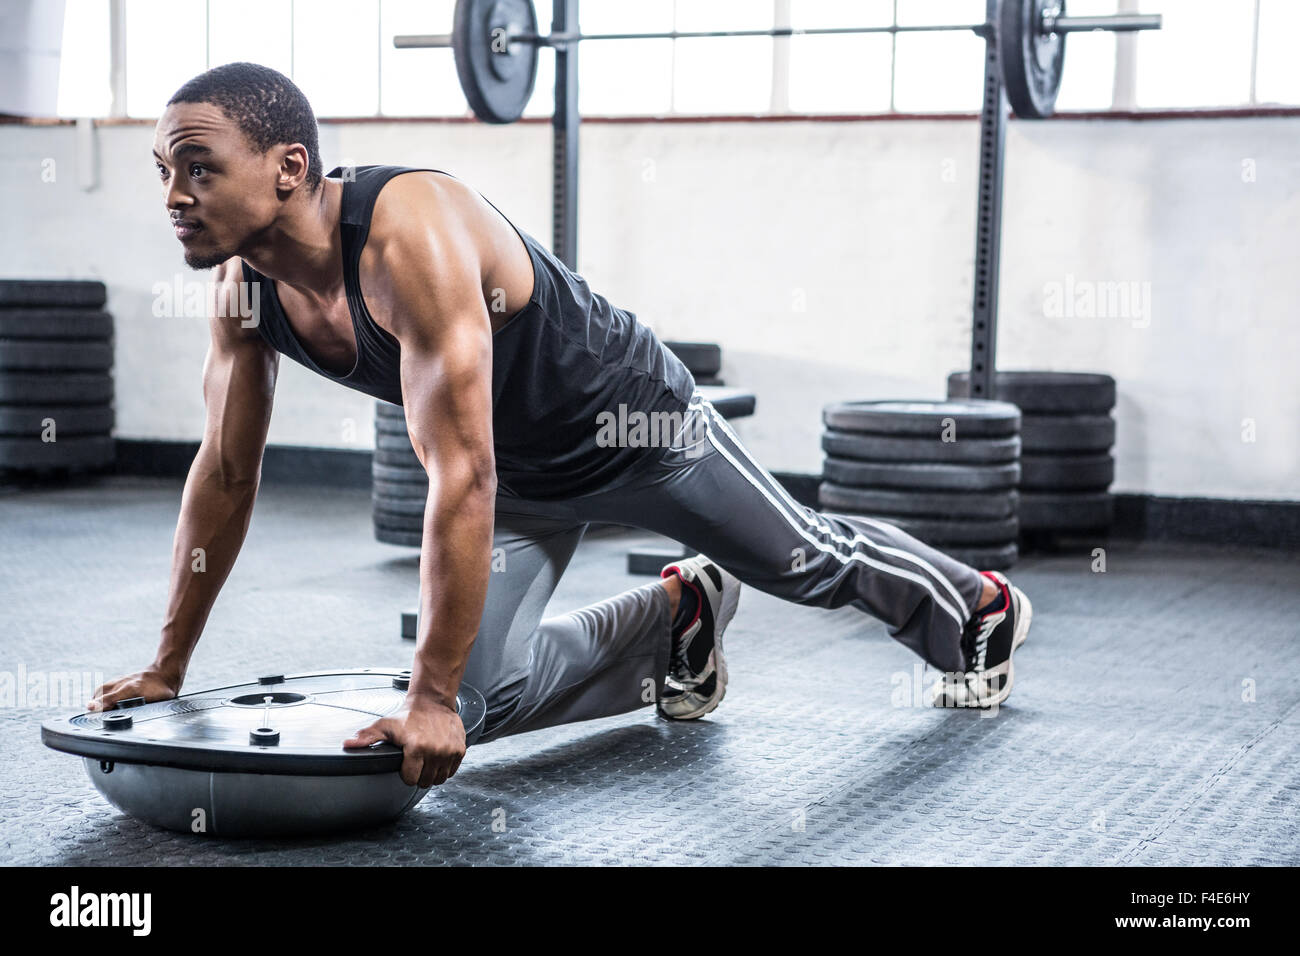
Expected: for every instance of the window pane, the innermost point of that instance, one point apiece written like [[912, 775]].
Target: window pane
[[232, 37], [939, 72], [806, 14], [336, 55], [934, 12], [626, 76], [166, 44], [1201, 56], [1278, 74], [542, 102], [618, 16], [84, 85], [418, 82], [731, 75], [724, 15], [840, 74], [1089, 79]]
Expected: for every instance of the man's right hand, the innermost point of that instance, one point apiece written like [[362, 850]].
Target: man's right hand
[[150, 684]]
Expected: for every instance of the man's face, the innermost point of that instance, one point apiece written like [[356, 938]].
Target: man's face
[[219, 190]]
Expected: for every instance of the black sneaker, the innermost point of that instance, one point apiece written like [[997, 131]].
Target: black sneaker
[[697, 670], [989, 640]]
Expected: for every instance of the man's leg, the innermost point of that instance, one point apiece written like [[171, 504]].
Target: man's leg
[[709, 493], [604, 659]]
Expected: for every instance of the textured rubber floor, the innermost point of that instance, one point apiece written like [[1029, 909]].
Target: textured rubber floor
[[1155, 718]]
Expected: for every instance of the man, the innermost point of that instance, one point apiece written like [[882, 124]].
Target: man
[[410, 286]]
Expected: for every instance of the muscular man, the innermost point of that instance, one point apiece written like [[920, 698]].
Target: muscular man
[[408, 285]]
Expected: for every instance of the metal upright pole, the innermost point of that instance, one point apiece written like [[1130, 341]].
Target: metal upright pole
[[564, 127], [988, 221]]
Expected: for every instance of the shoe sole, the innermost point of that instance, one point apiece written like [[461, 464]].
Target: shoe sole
[[730, 602], [1024, 617]]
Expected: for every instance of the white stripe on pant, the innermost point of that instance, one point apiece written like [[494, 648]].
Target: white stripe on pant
[[709, 493]]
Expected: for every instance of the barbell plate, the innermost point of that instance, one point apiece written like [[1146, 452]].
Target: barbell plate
[[1032, 60], [497, 82]]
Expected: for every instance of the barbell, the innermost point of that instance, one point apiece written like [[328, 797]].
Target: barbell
[[495, 43]]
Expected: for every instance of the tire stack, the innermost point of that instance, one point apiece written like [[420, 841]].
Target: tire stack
[[1066, 432], [399, 483], [944, 472], [56, 381], [703, 359]]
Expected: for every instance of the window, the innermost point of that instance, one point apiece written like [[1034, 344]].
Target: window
[[1277, 71], [166, 44], [1201, 56], [848, 73], [1211, 53]]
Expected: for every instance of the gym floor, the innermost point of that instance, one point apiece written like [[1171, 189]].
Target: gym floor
[[1155, 719]]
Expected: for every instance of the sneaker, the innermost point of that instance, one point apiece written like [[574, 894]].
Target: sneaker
[[697, 671], [988, 641]]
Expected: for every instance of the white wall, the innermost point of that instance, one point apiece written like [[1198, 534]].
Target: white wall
[[833, 260]]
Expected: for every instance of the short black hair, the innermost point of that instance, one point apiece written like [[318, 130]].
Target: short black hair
[[266, 105]]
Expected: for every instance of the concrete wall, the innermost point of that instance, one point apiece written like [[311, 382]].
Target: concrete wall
[[833, 260]]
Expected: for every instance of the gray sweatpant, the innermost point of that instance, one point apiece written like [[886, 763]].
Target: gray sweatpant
[[707, 492]]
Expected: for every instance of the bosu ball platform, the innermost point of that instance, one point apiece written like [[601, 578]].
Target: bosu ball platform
[[259, 759]]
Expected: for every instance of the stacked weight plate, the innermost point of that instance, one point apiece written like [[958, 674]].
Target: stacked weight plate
[[399, 483], [944, 472], [703, 359], [1066, 433], [56, 384]]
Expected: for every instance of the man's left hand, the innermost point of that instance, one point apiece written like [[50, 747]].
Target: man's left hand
[[431, 736]]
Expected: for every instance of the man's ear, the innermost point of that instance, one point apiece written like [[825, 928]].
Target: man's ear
[[293, 167]]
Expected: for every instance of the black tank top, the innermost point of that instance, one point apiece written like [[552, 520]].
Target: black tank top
[[557, 365]]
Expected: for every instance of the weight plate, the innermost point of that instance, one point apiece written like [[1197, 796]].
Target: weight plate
[[397, 520], [700, 358], [385, 441], [1064, 433], [392, 426], [393, 505], [954, 504], [1032, 60], [401, 490], [1046, 511], [728, 402], [1066, 472], [93, 451], [987, 558], [400, 459], [941, 532], [405, 539], [22, 354], [196, 752], [398, 473], [55, 324], [64, 388], [923, 419], [1051, 393], [867, 474], [497, 78], [884, 449], [67, 419], [44, 292]]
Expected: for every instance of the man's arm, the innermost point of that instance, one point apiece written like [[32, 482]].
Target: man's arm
[[433, 293], [238, 388]]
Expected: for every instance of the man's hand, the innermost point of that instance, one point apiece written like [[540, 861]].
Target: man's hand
[[150, 684], [431, 736]]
